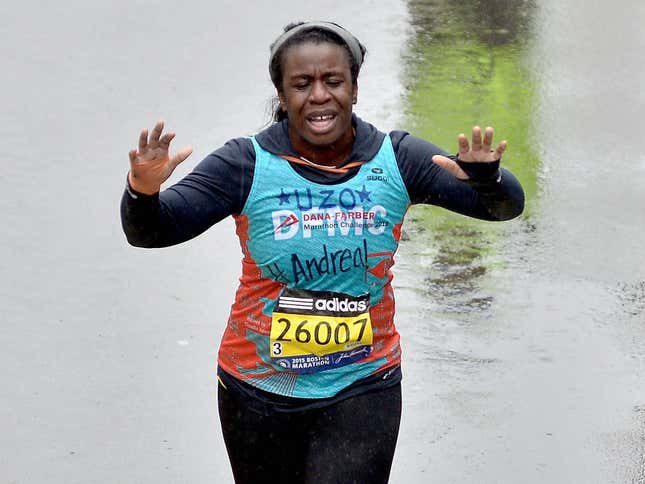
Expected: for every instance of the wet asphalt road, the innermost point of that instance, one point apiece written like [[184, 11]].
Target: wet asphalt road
[[525, 366]]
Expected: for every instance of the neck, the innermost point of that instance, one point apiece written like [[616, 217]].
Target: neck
[[329, 155]]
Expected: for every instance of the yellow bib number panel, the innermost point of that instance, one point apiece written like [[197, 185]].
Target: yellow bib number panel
[[317, 330]]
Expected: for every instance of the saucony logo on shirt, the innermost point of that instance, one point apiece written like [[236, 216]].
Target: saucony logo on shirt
[[381, 178]]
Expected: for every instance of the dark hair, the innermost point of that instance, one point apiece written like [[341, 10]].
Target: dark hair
[[316, 35]]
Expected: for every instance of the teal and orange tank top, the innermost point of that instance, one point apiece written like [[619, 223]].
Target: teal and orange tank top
[[314, 311]]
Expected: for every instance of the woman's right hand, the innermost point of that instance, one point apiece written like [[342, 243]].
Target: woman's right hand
[[151, 165]]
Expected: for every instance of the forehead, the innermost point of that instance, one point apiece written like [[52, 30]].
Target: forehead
[[310, 56]]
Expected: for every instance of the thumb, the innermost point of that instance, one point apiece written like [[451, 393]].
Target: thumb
[[180, 156], [450, 166]]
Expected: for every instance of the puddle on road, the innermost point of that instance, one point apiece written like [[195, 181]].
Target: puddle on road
[[523, 341]]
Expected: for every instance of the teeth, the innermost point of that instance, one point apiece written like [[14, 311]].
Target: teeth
[[322, 117]]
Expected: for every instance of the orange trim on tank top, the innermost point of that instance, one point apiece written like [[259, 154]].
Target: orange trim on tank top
[[331, 169]]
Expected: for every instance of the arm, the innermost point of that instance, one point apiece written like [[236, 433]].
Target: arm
[[485, 191], [216, 188]]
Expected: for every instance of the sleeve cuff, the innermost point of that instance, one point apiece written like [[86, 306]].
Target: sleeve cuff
[[133, 194]]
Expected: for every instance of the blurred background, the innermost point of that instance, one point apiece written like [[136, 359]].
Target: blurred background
[[523, 341]]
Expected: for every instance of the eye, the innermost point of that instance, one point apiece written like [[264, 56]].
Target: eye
[[300, 84], [334, 82]]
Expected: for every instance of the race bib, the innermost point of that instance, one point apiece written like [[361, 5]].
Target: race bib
[[318, 330]]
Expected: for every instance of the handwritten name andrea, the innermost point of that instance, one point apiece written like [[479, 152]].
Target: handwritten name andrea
[[335, 262]]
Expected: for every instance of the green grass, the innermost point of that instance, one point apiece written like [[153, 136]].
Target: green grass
[[456, 79]]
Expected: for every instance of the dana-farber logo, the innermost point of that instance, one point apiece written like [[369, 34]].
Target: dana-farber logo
[[289, 223]]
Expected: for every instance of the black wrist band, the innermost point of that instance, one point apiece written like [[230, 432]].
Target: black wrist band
[[479, 171]]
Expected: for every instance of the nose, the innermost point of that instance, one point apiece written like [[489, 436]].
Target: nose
[[319, 92]]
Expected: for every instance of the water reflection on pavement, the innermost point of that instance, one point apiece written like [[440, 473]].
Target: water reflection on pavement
[[524, 342]]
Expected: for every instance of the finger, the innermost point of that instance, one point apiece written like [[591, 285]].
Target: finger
[[143, 139], [477, 138], [488, 140], [165, 140], [450, 166], [133, 156], [156, 132], [180, 156], [500, 150], [464, 148]]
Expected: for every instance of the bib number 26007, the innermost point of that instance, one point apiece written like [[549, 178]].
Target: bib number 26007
[[318, 335]]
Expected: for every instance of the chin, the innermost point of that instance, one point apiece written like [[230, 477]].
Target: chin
[[323, 140], [329, 138]]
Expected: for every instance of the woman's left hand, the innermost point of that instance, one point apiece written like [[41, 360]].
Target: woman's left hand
[[480, 151]]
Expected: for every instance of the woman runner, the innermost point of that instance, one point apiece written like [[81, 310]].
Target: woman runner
[[309, 364]]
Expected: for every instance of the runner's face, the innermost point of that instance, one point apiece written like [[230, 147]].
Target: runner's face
[[317, 94]]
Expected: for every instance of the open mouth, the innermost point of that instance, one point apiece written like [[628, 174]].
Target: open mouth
[[321, 122]]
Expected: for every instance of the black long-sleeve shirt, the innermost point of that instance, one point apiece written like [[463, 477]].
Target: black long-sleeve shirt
[[219, 185]]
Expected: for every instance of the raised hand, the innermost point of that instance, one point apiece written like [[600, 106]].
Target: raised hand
[[479, 151], [151, 165]]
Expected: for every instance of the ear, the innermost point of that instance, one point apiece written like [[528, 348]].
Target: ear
[[355, 93], [283, 101]]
